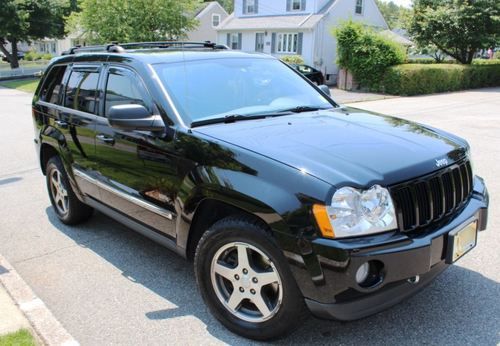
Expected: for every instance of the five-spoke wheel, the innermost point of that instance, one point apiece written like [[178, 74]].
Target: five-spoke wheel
[[246, 282], [69, 209]]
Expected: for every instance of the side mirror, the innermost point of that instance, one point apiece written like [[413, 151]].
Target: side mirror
[[134, 117], [325, 89]]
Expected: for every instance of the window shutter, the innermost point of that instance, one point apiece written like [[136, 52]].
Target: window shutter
[[288, 5], [299, 43], [239, 40], [256, 7], [273, 43], [256, 40], [303, 5], [228, 40], [244, 7]]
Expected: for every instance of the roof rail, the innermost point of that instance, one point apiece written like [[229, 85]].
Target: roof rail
[[116, 47]]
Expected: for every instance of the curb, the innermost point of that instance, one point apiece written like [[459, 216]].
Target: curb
[[46, 326]]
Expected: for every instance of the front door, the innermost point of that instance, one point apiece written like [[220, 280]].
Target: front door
[[137, 173], [259, 42]]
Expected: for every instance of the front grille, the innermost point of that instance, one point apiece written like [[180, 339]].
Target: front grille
[[426, 200]]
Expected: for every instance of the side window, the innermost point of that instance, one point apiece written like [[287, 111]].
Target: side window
[[123, 87], [51, 89], [81, 91]]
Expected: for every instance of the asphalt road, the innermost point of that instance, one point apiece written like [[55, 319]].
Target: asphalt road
[[108, 285]]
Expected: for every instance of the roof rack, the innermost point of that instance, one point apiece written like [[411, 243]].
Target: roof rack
[[116, 47]]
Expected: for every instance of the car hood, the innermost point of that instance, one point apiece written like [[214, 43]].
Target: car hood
[[346, 146]]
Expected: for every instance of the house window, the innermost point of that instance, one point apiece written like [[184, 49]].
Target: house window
[[259, 42], [234, 41], [288, 43], [297, 5], [359, 7], [215, 19], [250, 6]]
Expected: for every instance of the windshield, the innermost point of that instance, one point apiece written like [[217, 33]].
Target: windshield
[[214, 88]]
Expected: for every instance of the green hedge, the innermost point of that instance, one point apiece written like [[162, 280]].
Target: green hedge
[[418, 79], [293, 59]]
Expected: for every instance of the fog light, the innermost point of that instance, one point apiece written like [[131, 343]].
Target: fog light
[[362, 273]]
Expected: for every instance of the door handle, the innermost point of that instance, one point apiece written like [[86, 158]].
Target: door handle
[[61, 124], [105, 139]]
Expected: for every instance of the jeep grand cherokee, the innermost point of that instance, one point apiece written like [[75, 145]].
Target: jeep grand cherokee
[[286, 201]]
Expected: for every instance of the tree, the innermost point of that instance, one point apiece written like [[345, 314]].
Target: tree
[[26, 20], [459, 28], [134, 20], [227, 4], [395, 15]]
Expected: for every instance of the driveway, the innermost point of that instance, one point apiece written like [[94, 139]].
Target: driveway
[[109, 285]]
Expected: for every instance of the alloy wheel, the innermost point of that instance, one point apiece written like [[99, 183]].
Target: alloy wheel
[[247, 282]]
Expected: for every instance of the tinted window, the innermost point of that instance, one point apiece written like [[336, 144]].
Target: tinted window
[[52, 87], [124, 88], [81, 91], [219, 87]]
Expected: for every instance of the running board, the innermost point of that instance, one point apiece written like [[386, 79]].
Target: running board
[[154, 235]]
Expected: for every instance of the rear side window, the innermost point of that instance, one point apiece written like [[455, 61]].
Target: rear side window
[[52, 87], [124, 87], [81, 91]]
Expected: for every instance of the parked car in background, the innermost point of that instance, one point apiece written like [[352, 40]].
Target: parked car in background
[[20, 56], [311, 73], [286, 201]]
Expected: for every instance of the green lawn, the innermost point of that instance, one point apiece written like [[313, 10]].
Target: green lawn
[[19, 338], [28, 85]]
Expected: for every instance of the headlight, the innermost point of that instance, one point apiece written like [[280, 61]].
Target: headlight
[[353, 212]]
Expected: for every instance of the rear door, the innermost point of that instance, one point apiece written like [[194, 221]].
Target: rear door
[[81, 101], [69, 98], [137, 171]]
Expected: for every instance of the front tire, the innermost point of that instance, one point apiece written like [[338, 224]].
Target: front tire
[[245, 280], [68, 208]]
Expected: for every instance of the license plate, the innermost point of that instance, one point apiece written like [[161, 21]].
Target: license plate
[[461, 241]]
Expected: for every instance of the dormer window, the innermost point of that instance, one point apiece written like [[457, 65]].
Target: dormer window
[[215, 19], [359, 7], [295, 5], [250, 6]]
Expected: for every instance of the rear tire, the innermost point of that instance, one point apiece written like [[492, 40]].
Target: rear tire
[[68, 208], [258, 297]]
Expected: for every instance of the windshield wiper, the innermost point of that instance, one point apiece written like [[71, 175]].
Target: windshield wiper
[[237, 117], [301, 109], [226, 119]]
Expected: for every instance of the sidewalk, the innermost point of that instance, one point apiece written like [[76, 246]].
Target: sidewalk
[[11, 318], [344, 96]]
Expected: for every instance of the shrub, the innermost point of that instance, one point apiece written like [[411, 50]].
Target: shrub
[[293, 59], [417, 79], [30, 56], [46, 56], [486, 61], [365, 53]]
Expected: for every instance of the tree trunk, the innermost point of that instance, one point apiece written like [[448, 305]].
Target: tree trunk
[[4, 50], [14, 63]]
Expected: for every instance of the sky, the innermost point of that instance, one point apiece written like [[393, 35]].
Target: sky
[[406, 3]]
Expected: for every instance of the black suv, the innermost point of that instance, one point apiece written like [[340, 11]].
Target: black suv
[[286, 201]]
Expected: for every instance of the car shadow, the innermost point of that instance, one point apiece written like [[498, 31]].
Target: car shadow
[[460, 307]]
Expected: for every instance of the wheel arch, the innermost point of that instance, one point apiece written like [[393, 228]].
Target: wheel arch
[[209, 207]]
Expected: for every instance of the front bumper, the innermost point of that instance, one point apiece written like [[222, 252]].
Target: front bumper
[[332, 264]]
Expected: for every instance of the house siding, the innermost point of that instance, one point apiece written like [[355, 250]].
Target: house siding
[[205, 31], [319, 47]]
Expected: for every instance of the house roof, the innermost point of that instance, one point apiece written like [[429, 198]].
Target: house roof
[[205, 5], [270, 22], [397, 36]]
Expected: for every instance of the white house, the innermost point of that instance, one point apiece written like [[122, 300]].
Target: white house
[[295, 27], [209, 16]]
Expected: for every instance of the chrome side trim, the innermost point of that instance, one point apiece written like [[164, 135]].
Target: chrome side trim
[[146, 205]]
